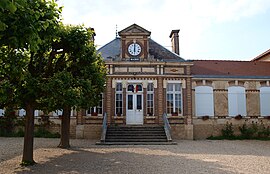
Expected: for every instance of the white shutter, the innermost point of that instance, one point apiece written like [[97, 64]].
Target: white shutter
[[2, 112], [265, 101], [22, 112], [36, 113], [204, 101], [237, 101]]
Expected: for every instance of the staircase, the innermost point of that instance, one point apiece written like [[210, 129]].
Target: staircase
[[136, 135]]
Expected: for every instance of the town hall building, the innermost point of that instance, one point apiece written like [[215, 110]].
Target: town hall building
[[145, 81], [148, 85]]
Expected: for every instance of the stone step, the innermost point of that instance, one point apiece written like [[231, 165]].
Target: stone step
[[136, 137], [137, 140], [135, 132], [136, 143], [136, 128]]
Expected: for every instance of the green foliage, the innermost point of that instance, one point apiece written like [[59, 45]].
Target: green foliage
[[264, 132], [24, 22], [44, 133], [228, 132], [248, 132], [252, 131], [75, 72], [27, 163]]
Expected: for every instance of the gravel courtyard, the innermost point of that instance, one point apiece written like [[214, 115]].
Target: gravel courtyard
[[187, 157]]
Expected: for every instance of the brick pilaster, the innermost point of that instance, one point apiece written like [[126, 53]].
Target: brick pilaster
[[189, 96], [109, 103], [159, 100]]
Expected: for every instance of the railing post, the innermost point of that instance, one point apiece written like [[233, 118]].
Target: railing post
[[167, 127], [104, 128]]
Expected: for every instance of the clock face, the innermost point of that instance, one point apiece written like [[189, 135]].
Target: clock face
[[134, 49]]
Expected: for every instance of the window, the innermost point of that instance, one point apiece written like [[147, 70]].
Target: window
[[22, 112], [134, 88], [2, 112], [119, 99], [36, 113], [265, 101], [174, 99], [57, 113], [204, 101], [150, 99], [237, 101], [96, 110]]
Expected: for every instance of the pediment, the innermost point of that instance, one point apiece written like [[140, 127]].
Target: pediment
[[134, 30]]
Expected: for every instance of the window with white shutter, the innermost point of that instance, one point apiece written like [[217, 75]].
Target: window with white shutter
[[265, 101], [204, 101], [237, 101]]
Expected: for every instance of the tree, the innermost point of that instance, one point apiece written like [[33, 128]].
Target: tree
[[26, 26], [77, 75]]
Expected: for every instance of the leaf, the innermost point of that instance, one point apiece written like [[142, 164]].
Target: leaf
[[11, 7], [3, 27]]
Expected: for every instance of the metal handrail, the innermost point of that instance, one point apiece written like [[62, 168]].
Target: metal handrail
[[167, 127], [104, 128]]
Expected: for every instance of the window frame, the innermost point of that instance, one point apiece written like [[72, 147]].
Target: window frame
[[264, 108], [95, 109], [174, 92], [152, 101], [203, 91], [119, 91], [233, 101]]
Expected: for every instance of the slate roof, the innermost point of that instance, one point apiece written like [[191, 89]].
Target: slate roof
[[112, 50], [230, 69], [162, 53]]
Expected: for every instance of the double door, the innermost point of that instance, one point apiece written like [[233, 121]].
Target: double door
[[134, 108]]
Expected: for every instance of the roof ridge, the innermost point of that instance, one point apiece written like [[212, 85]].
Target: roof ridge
[[219, 60], [261, 55], [167, 49]]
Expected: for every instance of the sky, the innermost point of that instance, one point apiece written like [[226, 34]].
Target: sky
[[209, 29]]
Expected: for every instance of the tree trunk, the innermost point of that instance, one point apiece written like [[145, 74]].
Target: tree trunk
[[65, 126], [27, 158]]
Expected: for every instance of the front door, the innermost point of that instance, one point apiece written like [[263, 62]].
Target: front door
[[134, 107]]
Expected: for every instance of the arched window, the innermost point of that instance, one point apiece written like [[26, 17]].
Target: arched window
[[265, 101], [237, 101], [204, 101]]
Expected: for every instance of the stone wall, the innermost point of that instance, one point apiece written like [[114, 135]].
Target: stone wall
[[213, 126], [55, 125], [88, 131]]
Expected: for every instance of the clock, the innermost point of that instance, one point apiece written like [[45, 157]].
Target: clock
[[134, 49]]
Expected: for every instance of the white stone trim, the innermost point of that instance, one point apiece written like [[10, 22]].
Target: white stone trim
[[182, 81], [125, 82]]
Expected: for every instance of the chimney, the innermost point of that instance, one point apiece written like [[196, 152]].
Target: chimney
[[175, 41]]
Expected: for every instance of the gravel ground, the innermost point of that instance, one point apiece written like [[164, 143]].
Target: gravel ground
[[187, 157]]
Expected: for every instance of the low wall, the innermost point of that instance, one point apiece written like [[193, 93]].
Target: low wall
[[91, 131], [203, 129], [55, 125]]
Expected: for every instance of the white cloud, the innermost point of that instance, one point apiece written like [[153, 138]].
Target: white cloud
[[192, 17]]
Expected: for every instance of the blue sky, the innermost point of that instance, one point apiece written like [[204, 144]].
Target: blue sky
[[209, 29]]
